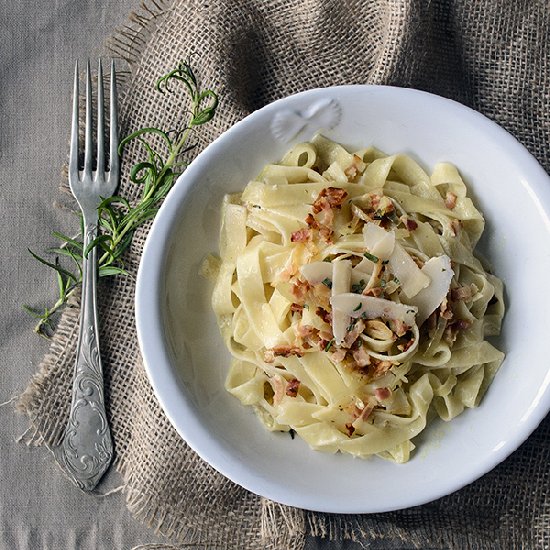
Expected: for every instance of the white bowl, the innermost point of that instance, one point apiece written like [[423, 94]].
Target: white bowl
[[187, 362]]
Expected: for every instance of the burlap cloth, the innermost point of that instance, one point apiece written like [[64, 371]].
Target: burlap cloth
[[491, 55]]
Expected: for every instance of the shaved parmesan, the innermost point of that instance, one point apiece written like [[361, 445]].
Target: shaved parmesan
[[378, 241], [316, 272], [428, 299], [370, 307], [365, 266], [409, 274], [341, 283]]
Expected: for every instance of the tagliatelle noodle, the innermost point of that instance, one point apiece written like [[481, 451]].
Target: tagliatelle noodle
[[294, 250]]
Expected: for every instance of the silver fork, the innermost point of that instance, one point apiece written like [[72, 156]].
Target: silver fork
[[86, 450]]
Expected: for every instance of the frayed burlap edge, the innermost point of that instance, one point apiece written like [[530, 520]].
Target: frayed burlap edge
[[41, 430]]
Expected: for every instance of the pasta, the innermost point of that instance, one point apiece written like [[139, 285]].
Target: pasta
[[349, 296]]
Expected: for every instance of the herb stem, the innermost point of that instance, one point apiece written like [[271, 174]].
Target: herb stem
[[118, 219]]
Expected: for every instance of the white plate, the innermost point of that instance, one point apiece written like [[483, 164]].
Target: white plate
[[187, 362]]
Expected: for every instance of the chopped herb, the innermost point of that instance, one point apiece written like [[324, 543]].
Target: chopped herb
[[306, 306], [327, 282], [118, 219], [397, 281], [349, 328], [329, 345], [358, 307], [383, 283], [358, 288], [292, 433], [385, 262], [364, 315], [443, 269], [327, 259], [371, 257]]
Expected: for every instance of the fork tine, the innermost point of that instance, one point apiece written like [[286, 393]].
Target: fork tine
[[73, 152], [88, 131], [100, 125], [113, 134]]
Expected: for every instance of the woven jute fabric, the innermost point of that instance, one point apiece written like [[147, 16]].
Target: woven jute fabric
[[491, 55]]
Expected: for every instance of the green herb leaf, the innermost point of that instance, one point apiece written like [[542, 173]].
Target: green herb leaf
[[155, 173], [371, 257], [327, 282]]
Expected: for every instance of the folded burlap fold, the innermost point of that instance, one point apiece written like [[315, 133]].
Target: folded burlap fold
[[492, 56]]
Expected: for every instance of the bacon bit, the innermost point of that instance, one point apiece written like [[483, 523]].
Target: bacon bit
[[292, 387], [350, 429], [461, 293], [375, 291], [411, 225], [278, 384], [296, 308], [329, 198], [308, 336], [326, 234], [361, 357], [320, 203], [338, 355], [398, 327], [301, 236], [352, 170], [325, 315], [450, 200], [354, 333], [380, 367], [303, 331], [312, 222], [334, 197], [382, 393], [300, 289], [286, 351], [456, 227], [326, 336]]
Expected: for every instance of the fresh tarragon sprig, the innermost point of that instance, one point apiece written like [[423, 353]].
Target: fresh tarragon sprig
[[118, 218]]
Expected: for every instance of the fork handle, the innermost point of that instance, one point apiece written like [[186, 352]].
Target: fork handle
[[87, 449]]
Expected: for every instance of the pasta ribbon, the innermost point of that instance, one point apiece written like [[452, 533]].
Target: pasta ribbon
[[350, 298]]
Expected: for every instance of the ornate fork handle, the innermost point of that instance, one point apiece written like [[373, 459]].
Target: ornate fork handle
[[87, 450]]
